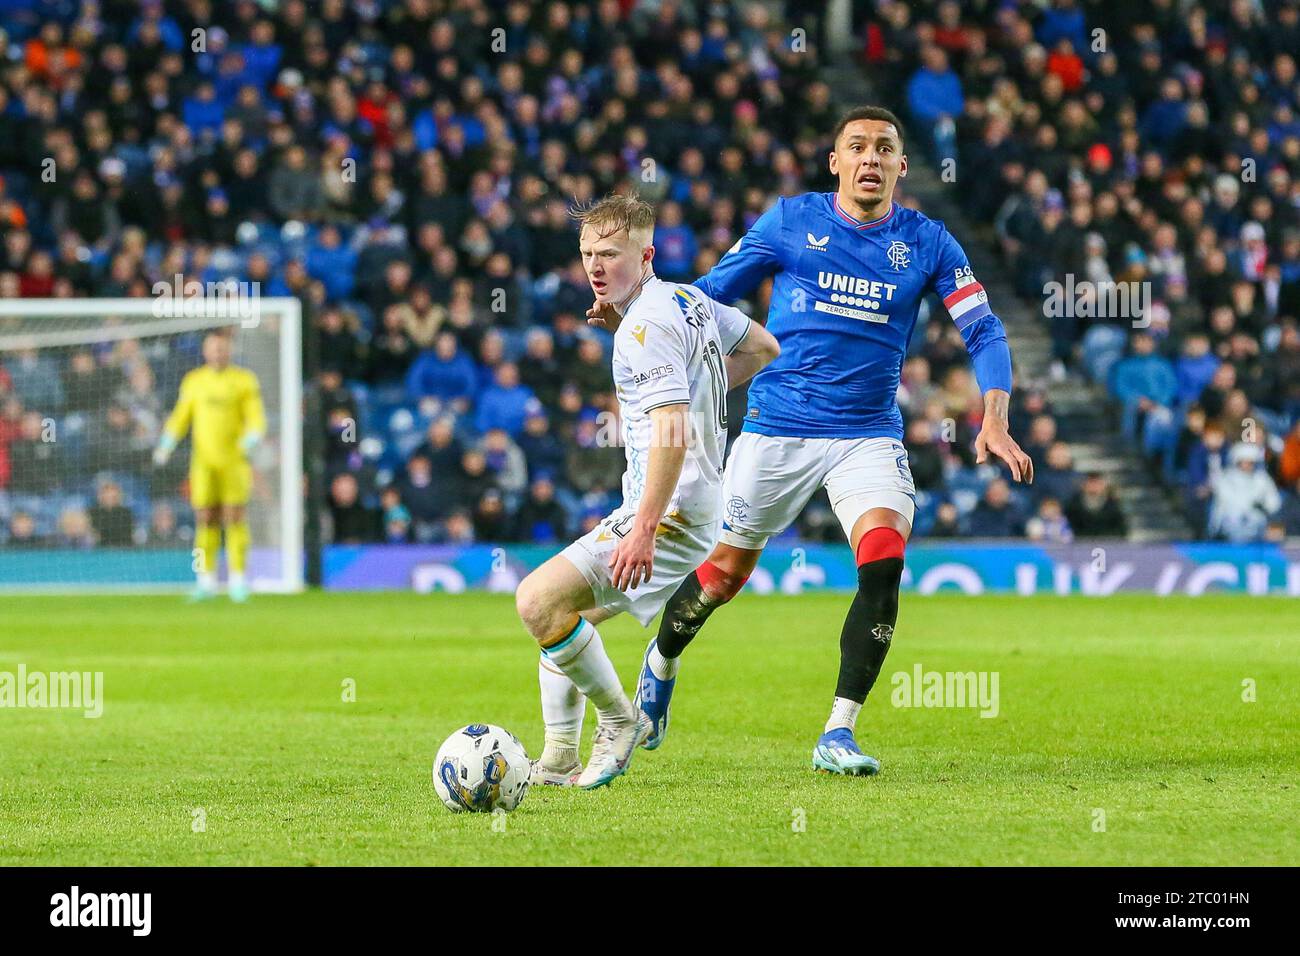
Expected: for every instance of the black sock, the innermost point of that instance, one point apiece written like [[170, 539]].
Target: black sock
[[684, 615], [869, 627]]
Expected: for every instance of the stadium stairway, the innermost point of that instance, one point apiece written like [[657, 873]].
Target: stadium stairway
[[1087, 419]]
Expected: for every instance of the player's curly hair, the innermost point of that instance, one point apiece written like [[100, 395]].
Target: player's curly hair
[[617, 212], [867, 113]]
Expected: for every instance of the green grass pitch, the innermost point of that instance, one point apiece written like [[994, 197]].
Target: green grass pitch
[[1122, 736]]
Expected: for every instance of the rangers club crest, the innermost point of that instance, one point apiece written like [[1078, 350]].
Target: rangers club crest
[[737, 508], [899, 255], [883, 632]]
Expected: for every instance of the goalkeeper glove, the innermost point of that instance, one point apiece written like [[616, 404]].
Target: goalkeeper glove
[[249, 442], [166, 445]]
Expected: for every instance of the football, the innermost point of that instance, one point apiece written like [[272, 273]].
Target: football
[[481, 768]]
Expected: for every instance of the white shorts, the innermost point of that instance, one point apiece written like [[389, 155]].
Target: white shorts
[[677, 553], [769, 480]]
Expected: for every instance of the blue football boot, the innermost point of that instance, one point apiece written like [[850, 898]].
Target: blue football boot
[[838, 752], [652, 698]]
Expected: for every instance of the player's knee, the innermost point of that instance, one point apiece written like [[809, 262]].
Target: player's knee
[[721, 583], [526, 601], [880, 559], [532, 607]]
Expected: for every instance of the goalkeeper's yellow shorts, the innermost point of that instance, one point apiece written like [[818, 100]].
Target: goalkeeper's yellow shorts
[[225, 485]]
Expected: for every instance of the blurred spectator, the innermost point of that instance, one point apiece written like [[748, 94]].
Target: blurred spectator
[[505, 461], [540, 369], [1055, 476], [675, 246], [996, 516], [74, 530], [1041, 435], [22, 532], [542, 450], [923, 456], [1143, 381], [1245, 498], [441, 447], [935, 92], [164, 532], [491, 520], [469, 482], [397, 519], [340, 348], [32, 462], [589, 369], [1094, 512], [353, 522], [1195, 368], [421, 496], [293, 191], [111, 520], [947, 522], [541, 520], [506, 403], [459, 528], [1288, 463], [391, 351], [445, 375], [1290, 514], [1049, 524]]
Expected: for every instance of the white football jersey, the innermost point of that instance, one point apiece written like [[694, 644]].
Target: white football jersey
[[668, 350]]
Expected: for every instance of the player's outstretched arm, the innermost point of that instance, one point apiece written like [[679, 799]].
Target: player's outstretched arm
[[633, 559], [757, 349], [995, 438]]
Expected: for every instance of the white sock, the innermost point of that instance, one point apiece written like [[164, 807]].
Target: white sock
[[582, 657], [663, 667], [563, 708], [237, 579], [844, 713], [208, 580]]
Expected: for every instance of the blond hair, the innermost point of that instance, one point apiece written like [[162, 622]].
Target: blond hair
[[617, 213]]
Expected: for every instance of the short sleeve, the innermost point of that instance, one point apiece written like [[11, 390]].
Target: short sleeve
[[733, 326]]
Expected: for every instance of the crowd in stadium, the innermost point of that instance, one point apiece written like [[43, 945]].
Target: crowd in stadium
[[1154, 142], [407, 172]]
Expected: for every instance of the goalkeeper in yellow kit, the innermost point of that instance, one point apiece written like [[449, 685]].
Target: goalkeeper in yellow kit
[[223, 405]]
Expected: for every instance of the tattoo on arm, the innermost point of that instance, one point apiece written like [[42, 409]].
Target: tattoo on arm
[[997, 404]]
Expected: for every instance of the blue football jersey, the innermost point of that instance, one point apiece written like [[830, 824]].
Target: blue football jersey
[[845, 299]]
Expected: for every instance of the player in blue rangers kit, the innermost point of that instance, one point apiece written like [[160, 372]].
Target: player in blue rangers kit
[[849, 268]]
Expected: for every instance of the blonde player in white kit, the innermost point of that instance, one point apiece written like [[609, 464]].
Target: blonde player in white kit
[[676, 353]]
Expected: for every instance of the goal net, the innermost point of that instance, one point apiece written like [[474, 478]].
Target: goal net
[[85, 388]]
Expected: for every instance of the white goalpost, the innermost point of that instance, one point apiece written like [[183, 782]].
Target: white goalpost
[[85, 387]]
